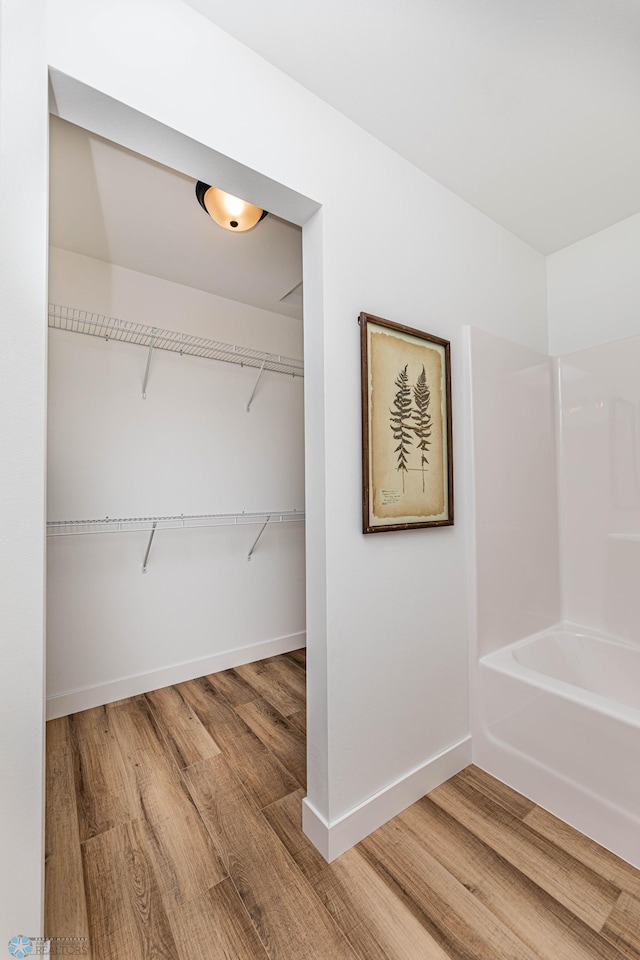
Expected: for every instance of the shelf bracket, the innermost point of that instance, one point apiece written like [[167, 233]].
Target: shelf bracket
[[146, 556], [146, 372], [256, 387], [255, 542]]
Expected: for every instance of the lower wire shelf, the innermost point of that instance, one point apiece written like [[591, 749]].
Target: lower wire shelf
[[71, 528]]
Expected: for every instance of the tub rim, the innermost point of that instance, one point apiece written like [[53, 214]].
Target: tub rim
[[503, 661]]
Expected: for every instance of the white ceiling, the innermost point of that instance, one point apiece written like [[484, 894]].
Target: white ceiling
[[109, 203], [528, 109]]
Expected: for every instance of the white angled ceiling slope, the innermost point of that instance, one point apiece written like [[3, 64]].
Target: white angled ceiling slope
[[528, 109], [112, 204]]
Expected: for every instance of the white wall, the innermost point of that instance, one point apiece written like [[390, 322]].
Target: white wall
[[139, 297], [396, 674], [388, 677], [23, 238], [190, 447], [594, 289]]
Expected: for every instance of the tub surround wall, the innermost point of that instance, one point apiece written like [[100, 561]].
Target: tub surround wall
[[514, 466], [600, 490], [542, 494], [515, 544]]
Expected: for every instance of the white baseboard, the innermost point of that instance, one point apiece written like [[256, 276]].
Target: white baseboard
[[75, 700], [332, 839]]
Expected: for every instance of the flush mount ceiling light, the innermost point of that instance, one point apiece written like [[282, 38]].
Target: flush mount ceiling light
[[228, 211]]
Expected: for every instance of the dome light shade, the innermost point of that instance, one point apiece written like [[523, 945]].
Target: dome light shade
[[230, 212]]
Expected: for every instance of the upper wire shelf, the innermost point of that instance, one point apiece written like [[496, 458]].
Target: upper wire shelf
[[67, 528], [110, 328]]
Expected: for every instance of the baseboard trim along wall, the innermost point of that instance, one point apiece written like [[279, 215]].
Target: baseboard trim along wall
[[73, 701], [333, 839]]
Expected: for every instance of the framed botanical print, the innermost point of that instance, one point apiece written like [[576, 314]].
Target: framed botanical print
[[407, 457]]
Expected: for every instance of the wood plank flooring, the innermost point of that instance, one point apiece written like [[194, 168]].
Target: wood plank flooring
[[174, 833]]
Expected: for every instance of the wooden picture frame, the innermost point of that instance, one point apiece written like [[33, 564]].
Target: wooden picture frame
[[407, 453]]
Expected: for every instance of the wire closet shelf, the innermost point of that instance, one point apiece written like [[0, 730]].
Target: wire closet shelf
[[69, 528], [110, 328]]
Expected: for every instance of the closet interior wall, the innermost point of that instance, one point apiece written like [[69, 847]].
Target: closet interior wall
[[190, 447]]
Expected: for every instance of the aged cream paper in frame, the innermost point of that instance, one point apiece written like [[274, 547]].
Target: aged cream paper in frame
[[408, 455]]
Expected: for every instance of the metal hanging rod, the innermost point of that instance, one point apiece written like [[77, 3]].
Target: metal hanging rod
[[110, 328], [69, 528]]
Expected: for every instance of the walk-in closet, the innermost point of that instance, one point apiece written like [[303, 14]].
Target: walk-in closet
[[175, 530], [175, 431]]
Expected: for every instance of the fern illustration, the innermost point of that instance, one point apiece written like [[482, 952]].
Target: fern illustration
[[422, 419], [401, 421]]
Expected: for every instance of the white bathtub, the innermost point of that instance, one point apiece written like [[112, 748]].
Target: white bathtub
[[560, 721]]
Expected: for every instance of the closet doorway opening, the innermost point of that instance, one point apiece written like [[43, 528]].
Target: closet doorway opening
[[176, 535]]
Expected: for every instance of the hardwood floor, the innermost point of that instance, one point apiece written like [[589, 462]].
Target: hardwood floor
[[174, 833]]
